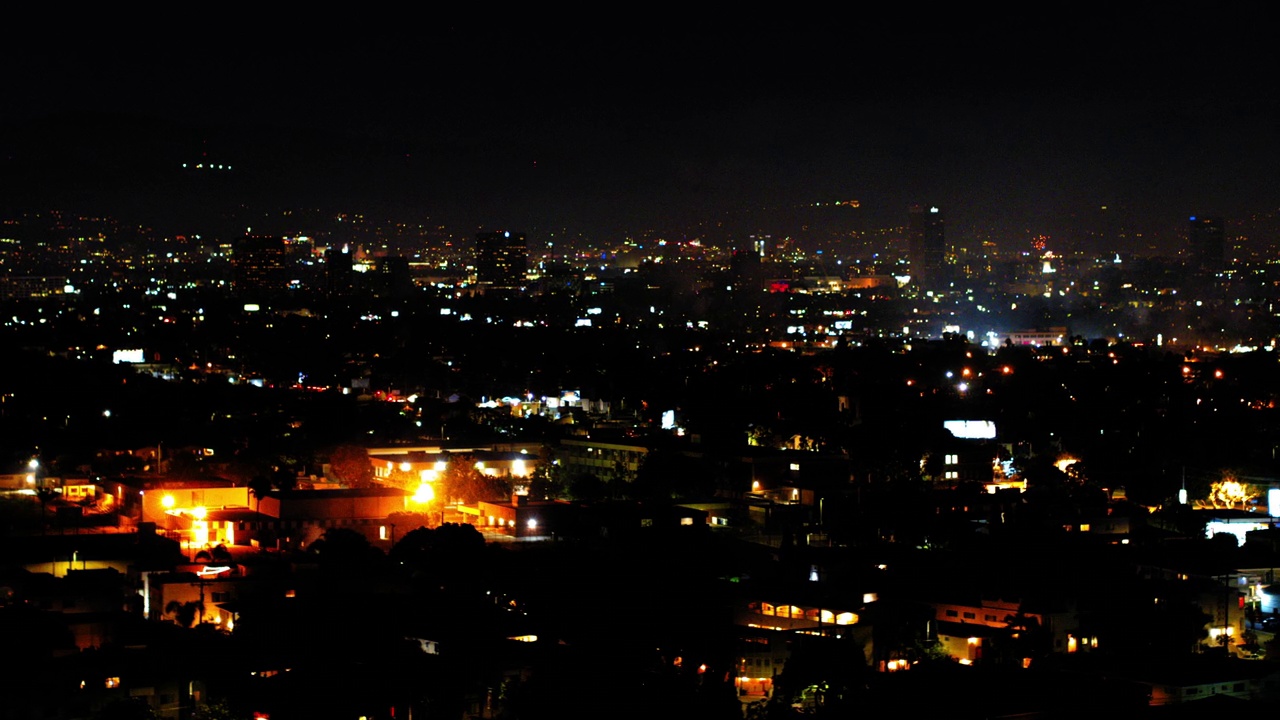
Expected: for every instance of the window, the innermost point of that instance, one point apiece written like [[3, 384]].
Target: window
[[952, 613], [953, 460], [970, 616], [989, 618], [952, 475]]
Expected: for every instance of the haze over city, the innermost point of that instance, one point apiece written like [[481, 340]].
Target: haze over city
[[373, 367]]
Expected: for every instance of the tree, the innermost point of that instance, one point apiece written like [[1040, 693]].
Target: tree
[[259, 486], [408, 521], [462, 482], [351, 465], [344, 547], [548, 480], [450, 544], [185, 614], [1230, 492]]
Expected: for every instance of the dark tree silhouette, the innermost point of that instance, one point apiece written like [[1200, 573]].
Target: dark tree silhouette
[[351, 465], [345, 548]]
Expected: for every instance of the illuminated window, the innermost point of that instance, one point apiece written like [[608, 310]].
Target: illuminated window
[[952, 475], [1084, 527], [953, 460], [113, 682], [686, 521]]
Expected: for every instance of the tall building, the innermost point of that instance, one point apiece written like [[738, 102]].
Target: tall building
[[502, 260], [259, 265], [927, 247], [1207, 244]]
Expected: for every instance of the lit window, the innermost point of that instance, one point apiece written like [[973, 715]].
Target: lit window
[[953, 459]]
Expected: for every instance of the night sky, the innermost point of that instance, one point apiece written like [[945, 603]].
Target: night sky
[[1017, 123]]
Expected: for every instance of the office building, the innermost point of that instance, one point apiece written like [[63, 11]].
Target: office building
[[1207, 244], [502, 259], [927, 247]]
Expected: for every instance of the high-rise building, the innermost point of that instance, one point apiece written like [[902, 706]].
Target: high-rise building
[[502, 260], [926, 247], [259, 265], [1207, 244]]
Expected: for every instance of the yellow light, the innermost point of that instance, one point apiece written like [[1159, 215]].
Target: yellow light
[[167, 501], [199, 513], [405, 467], [425, 494], [518, 468], [441, 465]]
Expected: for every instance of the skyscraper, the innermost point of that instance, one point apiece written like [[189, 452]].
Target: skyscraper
[[926, 247], [259, 265], [502, 259], [1207, 244]]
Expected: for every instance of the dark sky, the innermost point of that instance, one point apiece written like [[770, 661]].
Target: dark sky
[[1015, 121]]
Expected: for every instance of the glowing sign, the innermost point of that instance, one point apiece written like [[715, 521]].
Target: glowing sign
[[1273, 502], [127, 356], [971, 429]]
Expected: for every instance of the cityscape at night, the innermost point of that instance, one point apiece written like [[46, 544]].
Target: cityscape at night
[[379, 369]]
